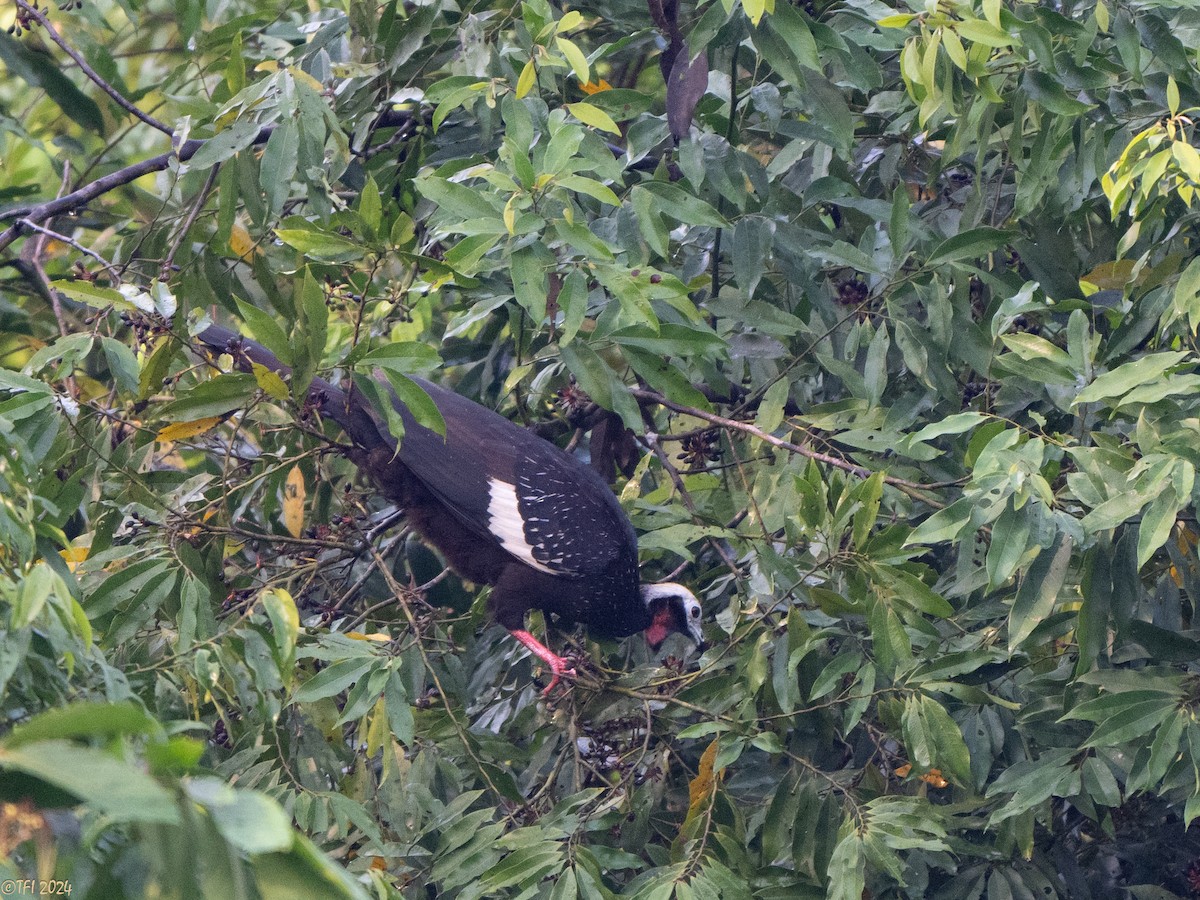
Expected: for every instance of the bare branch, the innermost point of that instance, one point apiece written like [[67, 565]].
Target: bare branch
[[113, 275], [169, 260]]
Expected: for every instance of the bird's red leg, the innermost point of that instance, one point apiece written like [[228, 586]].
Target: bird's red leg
[[557, 664]]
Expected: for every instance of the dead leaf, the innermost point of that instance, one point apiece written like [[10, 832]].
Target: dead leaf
[[294, 494], [181, 431], [241, 243]]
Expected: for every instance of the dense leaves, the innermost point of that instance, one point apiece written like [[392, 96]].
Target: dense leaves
[[882, 320]]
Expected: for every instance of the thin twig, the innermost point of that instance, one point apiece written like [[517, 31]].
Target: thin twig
[[83, 196], [35, 13], [113, 275], [911, 488], [165, 271]]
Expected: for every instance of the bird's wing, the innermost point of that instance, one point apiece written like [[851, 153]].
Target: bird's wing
[[503, 483], [543, 506]]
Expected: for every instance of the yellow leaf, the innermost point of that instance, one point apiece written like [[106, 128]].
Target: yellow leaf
[[510, 214], [1188, 159], [572, 19], [378, 732], [376, 636], [527, 78], [269, 65], [241, 244], [269, 381], [704, 785], [576, 58], [294, 495], [954, 48], [594, 116], [181, 431], [73, 556], [300, 75], [595, 87]]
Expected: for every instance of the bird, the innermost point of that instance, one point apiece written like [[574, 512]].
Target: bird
[[505, 508]]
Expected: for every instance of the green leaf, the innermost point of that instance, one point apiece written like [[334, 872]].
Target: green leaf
[[1157, 522], [601, 383], [224, 145], [317, 244], [405, 357], [593, 116], [94, 295], [416, 401], [970, 244], [1130, 375], [589, 186], [1134, 721], [400, 716], [215, 397], [681, 206], [912, 591], [40, 71], [112, 787], [457, 199], [1010, 537], [790, 25], [575, 57], [334, 679], [950, 752], [847, 868], [265, 330], [572, 300], [1039, 590], [1186, 298], [978, 31], [83, 719], [250, 821], [1045, 90], [955, 424], [278, 166]]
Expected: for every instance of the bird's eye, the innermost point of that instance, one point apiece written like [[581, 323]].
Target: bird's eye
[[695, 612]]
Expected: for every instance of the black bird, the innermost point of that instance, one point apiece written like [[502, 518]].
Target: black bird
[[505, 508]]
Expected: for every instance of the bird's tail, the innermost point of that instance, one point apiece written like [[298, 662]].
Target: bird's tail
[[349, 410]]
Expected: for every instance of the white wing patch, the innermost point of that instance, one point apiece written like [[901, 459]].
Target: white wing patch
[[505, 522]]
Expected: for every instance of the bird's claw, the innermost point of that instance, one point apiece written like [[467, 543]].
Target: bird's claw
[[559, 672]]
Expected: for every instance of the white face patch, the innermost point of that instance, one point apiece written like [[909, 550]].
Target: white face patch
[[505, 522], [677, 594]]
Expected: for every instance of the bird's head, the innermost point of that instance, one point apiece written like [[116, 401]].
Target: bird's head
[[672, 607]]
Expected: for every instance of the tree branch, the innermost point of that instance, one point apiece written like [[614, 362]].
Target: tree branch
[[911, 488], [40, 17], [78, 199]]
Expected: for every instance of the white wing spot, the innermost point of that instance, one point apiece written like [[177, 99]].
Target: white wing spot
[[505, 522]]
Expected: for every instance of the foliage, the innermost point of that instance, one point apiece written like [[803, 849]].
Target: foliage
[[899, 303]]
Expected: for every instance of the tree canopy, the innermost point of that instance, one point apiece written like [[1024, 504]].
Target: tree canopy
[[881, 318]]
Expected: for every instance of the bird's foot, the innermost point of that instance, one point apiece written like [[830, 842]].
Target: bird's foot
[[559, 668], [557, 664]]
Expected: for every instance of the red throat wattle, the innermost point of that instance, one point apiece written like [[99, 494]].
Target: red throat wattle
[[661, 625]]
